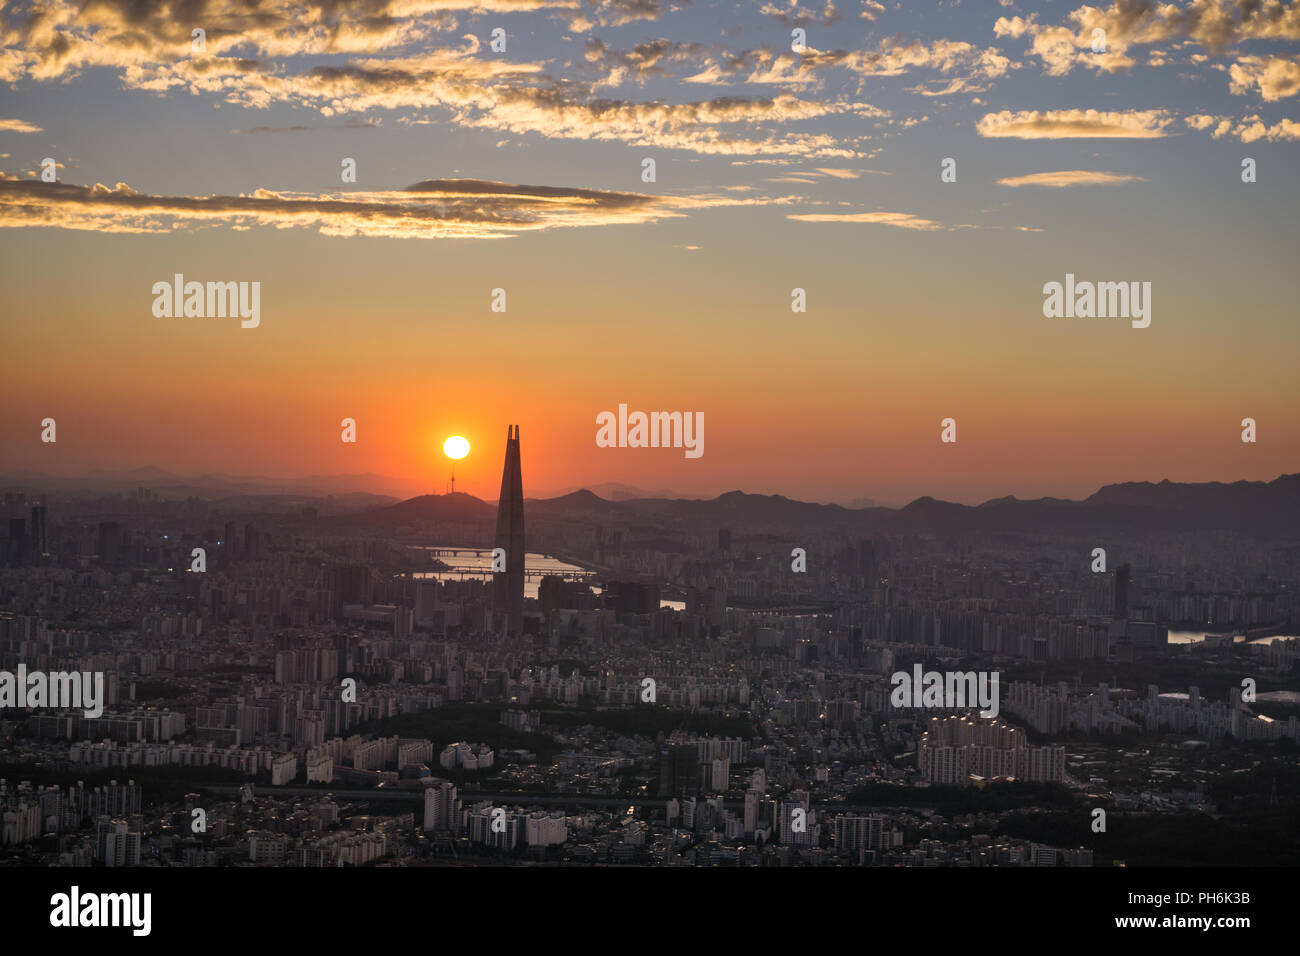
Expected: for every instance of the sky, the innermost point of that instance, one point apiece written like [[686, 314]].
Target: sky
[[1114, 156]]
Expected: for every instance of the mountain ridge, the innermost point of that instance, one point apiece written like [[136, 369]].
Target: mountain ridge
[[1244, 505], [1251, 505]]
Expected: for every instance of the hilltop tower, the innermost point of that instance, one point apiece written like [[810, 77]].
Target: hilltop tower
[[508, 586]]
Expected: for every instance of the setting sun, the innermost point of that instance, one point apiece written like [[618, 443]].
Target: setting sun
[[455, 447]]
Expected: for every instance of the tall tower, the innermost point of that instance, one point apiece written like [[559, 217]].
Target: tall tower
[[1121, 591], [508, 586]]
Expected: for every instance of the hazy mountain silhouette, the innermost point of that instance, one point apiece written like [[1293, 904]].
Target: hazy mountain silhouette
[[615, 491], [1255, 506], [456, 508], [1258, 507], [211, 486]]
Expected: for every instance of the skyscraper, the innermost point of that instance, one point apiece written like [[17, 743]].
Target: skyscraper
[[508, 586], [40, 543], [867, 562], [1121, 591], [110, 542]]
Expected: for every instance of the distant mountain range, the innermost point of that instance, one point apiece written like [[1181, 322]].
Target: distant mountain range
[[1260, 507], [212, 485], [613, 491], [1253, 506], [219, 485], [457, 508]]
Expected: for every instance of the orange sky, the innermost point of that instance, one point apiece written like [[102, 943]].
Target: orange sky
[[774, 171]]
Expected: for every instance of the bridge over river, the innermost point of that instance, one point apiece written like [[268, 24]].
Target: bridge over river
[[477, 562]]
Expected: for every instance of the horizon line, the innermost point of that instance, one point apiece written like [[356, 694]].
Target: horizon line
[[8, 486]]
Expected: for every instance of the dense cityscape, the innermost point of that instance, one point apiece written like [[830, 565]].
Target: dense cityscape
[[900, 472], [349, 680]]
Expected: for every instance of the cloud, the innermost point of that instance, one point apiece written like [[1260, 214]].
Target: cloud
[[1071, 177], [434, 209], [1215, 25], [891, 57], [60, 38], [18, 126], [1014, 27], [512, 97], [812, 176], [904, 220], [641, 62], [1247, 130], [699, 126], [1252, 129], [256, 58], [1202, 121], [952, 87], [1075, 124], [617, 13], [894, 58], [793, 15], [1061, 49], [1275, 77]]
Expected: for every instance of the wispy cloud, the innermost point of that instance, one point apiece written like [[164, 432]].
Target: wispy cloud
[[434, 209], [791, 13], [18, 126], [617, 13], [1076, 124], [638, 64], [1071, 177], [892, 56], [903, 220]]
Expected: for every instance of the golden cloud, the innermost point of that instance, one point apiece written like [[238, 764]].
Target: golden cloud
[[903, 220], [1071, 177], [434, 209], [1075, 124]]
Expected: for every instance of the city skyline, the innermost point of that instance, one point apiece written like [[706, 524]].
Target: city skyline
[[913, 479], [692, 684], [523, 170]]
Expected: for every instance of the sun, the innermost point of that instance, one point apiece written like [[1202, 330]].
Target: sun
[[455, 447]]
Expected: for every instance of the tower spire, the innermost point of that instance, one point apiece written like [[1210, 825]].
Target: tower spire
[[508, 585]]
